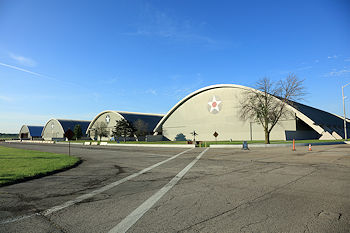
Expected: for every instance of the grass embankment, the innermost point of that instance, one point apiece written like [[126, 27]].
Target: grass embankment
[[18, 164]]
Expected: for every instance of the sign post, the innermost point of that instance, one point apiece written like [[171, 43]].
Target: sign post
[[194, 136], [216, 135], [69, 135]]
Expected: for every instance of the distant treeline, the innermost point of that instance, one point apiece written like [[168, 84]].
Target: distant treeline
[[8, 135]]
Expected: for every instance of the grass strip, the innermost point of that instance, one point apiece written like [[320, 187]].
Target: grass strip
[[18, 164]]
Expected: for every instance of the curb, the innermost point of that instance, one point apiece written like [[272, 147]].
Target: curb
[[239, 146], [127, 145]]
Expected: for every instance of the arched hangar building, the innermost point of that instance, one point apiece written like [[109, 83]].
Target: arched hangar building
[[30, 132], [110, 117], [55, 129], [216, 109]]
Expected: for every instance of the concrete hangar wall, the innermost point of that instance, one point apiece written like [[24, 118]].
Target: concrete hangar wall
[[109, 117], [216, 109], [55, 128]]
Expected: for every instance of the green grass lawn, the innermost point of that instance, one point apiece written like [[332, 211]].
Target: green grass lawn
[[18, 164]]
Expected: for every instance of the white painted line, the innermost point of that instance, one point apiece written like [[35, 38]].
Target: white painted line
[[109, 186], [226, 146], [93, 193], [18, 218], [132, 218]]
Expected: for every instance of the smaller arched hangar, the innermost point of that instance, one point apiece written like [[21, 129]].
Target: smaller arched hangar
[[110, 117], [54, 129], [30, 132]]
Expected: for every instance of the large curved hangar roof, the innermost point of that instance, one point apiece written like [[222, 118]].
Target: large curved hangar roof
[[149, 118], [317, 119], [34, 131], [70, 124]]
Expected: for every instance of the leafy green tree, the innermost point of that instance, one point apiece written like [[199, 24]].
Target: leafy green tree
[[78, 133], [101, 130], [141, 128], [124, 129], [180, 137]]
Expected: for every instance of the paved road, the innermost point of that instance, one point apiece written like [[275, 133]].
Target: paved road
[[225, 190]]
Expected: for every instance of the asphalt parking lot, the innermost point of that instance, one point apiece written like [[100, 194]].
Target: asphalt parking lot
[[185, 190]]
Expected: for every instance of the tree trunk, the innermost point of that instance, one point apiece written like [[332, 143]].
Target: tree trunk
[[267, 137]]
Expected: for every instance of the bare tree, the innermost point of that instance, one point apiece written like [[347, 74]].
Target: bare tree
[[101, 129], [266, 104]]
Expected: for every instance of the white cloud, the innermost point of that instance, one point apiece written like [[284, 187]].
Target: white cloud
[[160, 24], [337, 73], [151, 91], [21, 69], [348, 59], [110, 81], [23, 60], [304, 68], [332, 57], [6, 98]]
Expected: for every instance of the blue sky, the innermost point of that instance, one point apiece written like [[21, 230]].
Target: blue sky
[[74, 59]]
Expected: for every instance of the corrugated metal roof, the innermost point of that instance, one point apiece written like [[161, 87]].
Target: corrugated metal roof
[[149, 119], [70, 124], [320, 117], [35, 131]]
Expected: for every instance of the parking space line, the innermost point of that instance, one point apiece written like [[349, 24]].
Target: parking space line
[[132, 218], [109, 186], [95, 192]]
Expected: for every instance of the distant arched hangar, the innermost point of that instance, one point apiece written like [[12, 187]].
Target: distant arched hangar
[[110, 118], [216, 109], [30, 132]]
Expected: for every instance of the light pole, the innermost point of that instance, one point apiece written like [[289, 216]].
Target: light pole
[[342, 92]]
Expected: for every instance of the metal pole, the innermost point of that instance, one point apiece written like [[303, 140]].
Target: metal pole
[[345, 133], [251, 135], [69, 146]]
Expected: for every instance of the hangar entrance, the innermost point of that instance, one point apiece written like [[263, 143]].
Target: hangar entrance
[[24, 135]]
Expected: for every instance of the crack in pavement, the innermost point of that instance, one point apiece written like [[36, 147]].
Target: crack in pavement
[[52, 223], [31, 207], [253, 223], [248, 202]]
